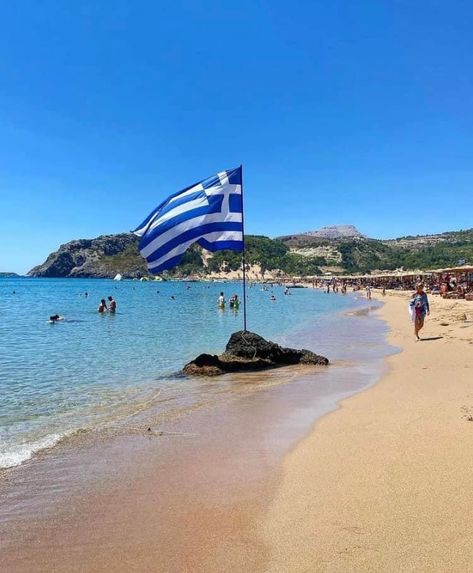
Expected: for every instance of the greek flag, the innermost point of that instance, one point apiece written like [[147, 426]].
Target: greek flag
[[209, 213]]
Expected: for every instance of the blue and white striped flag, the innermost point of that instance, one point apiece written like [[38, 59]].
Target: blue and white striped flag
[[209, 213]]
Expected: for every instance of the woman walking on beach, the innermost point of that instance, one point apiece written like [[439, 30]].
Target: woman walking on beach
[[419, 308]]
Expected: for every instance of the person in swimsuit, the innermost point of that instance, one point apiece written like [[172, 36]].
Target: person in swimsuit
[[113, 305], [420, 306], [234, 302], [102, 306]]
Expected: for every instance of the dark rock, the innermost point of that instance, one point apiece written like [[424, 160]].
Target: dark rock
[[204, 365], [247, 351], [250, 345]]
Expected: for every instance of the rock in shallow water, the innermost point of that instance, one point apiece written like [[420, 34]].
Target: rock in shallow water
[[246, 351]]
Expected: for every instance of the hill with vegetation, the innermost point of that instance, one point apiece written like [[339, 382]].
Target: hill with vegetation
[[294, 255], [108, 255], [359, 254]]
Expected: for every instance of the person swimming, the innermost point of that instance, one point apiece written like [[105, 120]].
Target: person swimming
[[55, 318]]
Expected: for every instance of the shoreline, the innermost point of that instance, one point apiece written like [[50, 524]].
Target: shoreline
[[43, 445], [378, 482], [187, 479], [384, 483]]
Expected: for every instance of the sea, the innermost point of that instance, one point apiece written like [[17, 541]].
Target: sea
[[95, 372]]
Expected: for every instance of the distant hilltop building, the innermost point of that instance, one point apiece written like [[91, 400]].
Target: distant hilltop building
[[335, 232]]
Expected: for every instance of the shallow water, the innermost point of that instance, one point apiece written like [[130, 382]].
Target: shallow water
[[96, 371]]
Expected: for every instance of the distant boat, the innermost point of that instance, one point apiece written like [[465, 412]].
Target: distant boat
[[118, 277]]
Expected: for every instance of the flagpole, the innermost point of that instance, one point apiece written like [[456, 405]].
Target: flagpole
[[243, 253]]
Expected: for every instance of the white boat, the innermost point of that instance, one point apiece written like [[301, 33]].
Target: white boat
[[118, 277]]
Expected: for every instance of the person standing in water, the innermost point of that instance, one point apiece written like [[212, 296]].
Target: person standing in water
[[221, 300], [113, 305], [102, 306], [419, 305]]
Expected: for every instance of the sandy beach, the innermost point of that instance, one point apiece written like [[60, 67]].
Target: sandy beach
[[385, 482]]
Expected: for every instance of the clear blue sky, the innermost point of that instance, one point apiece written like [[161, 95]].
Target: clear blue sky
[[341, 112]]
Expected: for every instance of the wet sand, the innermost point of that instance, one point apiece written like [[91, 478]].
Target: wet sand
[[186, 496], [385, 483]]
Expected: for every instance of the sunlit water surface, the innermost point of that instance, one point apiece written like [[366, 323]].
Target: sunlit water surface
[[92, 370]]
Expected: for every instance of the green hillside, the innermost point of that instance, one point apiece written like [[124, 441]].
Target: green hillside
[[108, 255], [270, 254], [297, 255], [365, 255]]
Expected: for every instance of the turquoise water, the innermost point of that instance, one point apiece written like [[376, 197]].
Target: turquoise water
[[90, 369]]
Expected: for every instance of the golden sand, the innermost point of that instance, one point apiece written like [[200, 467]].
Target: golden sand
[[385, 483]]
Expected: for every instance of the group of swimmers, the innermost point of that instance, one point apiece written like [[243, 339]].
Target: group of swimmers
[[112, 308], [234, 301], [112, 305]]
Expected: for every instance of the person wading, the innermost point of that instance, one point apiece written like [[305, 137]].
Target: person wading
[[112, 305]]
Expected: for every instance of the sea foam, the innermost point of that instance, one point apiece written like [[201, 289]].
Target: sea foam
[[16, 455]]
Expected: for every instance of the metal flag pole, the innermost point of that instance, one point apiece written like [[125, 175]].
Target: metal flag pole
[[243, 253]]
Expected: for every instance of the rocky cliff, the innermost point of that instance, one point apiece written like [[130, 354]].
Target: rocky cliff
[[102, 257], [335, 232]]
